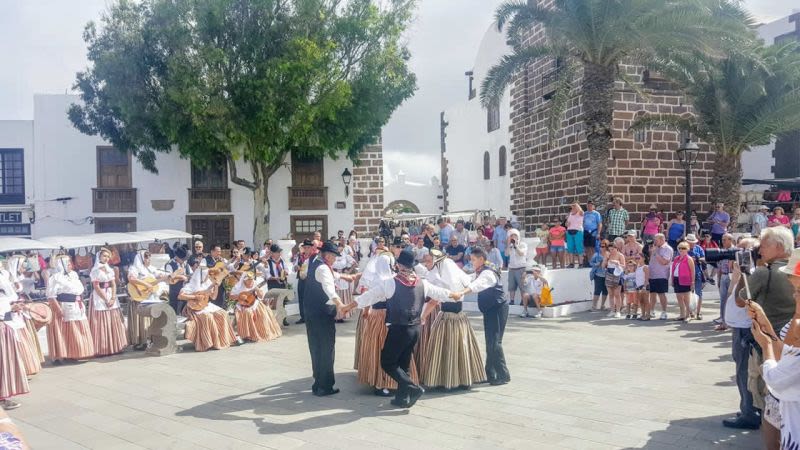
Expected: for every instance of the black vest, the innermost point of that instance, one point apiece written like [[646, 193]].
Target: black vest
[[405, 306], [175, 289], [489, 299], [314, 298]]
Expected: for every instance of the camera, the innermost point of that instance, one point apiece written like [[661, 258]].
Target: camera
[[746, 259]]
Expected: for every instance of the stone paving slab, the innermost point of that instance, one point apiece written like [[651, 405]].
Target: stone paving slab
[[581, 382]]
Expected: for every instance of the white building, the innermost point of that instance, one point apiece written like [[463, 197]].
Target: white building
[[56, 181], [420, 197], [476, 150]]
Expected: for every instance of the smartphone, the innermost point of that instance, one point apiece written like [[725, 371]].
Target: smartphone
[[745, 261]]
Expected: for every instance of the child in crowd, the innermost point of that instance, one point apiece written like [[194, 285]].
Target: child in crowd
[[532, 286], [629, 285], [558, 244], [542, 248], [642, 287], [708, 269]]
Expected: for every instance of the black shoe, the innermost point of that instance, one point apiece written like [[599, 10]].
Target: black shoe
[[382, 393], [511, 303], [498, 382], [340, 321], [301, 321], [400, 403], [414, 395], [285, 322], [741, 423], [326, 393]]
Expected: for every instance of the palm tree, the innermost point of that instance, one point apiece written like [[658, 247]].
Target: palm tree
[[740, 103], [597, 36]]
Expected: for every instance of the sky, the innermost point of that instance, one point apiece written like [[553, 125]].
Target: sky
[[42, 49]]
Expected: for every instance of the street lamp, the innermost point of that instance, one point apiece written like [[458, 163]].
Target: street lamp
[[687, 155], [346, 178]]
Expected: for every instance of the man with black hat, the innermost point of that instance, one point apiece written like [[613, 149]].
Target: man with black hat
[[179, 273], [320, 304], [303, 258], [405, 296]]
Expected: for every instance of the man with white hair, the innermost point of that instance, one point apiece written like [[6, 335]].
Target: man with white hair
[[517, 257]]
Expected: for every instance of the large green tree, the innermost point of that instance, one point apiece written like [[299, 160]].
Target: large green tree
[[251, 80], [594, 37]]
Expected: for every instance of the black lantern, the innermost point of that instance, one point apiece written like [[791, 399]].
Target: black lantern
[[346, 178], [687, 155]]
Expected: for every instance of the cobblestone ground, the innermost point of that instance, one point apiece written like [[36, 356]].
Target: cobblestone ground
[[583, 382]]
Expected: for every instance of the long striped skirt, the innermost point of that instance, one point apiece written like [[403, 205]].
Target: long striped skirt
[[36, 346], [30, 359], [453, 355], [421, 349], [138, 325], [208, 330], [369, 362], [346, 296], [13, 377], [68, 340], [359, 332], [108, 331], [257, 323]]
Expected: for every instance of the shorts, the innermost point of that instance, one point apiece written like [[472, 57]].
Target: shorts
[[698, 286], [772, 411], [659, 285], [542, 251], [575, 242], [678, 288], [600, 286], [515, 279], [589, 238], [557, 249]]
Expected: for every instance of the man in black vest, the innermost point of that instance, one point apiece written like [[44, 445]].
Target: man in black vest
[[320, 303], [177, 279], [494, 307], [301, 267], [405, 296]]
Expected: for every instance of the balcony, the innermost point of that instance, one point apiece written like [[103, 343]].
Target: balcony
[[308, 198], [209, 200], [550, 82], [114, 200]]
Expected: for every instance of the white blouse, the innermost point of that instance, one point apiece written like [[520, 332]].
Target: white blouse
[[61, 283], [783, 380], [103, 274]]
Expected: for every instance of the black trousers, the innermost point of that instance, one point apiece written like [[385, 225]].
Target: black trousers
[[494, 326], [321, 332], [177, 305], [396, 356], [220, 300], [742, 339], [301, 289]]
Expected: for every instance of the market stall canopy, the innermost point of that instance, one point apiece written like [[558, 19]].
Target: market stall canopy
[[162, 235], [15, 244], [784, 183], [92, 240]]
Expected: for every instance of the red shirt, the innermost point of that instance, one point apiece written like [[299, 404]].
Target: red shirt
[[710, 244], [488, 231]]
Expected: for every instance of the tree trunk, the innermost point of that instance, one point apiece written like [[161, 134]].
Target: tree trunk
[[598, 114], [726, 184], [261, 213]]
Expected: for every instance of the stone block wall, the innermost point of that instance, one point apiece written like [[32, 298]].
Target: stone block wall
[[367, 190]]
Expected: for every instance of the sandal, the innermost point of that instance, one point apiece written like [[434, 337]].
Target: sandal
[[721, 327], [699, 317], [9, 404]]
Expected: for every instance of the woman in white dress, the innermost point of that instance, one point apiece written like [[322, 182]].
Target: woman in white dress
[[207, 327], [255, 323], [345, 263], [105, 317], [13, 374], [138, 324], [68, 335]]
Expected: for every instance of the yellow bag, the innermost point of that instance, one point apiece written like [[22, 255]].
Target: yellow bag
[[546, 297]]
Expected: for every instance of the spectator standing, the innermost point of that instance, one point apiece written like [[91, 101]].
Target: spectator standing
[[461, 233], [682, 271], [720, 221], [455, 251], [592, 230], [445, 229], [597, 275], [618, 220], [759, 220], [660, 258], [557, 238], [482, 241], [796, 223], [517, 253], [651, 225], [631, 248], [676, 230], [420, 251], [699, 256], [437, 242], [500, 237], [488, 228], [694, 225], [543, 247], [575, 235], [724, 282], [778, 218], [427, 237], [614, 263]]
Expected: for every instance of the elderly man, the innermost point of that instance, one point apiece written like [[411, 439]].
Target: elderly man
[[455, 251], [461, 233], [660, 258], [445, 229]]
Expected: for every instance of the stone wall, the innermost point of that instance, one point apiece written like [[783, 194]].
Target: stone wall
[[367, 190]]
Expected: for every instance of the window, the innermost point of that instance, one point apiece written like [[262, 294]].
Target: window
[[502, 161], [493, 117], [303, 227], [19, 229], [486, 166], [307, 172], [114, 224], [214, 176], [12, 177], [113, 168], [640, 136]]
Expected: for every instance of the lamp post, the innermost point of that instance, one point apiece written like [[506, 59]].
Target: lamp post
[[346, 178], [687, 155]]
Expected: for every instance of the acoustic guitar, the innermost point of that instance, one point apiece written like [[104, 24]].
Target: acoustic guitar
[[200, 300], [249, 298], [218, 272], [140, 290], [173, 277]]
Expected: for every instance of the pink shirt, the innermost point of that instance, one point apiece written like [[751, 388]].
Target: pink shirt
[[575, 222]]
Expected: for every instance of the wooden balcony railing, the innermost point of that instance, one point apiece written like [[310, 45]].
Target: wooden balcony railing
[[308, 198], [113, 200], [209, 200], [550, 82]]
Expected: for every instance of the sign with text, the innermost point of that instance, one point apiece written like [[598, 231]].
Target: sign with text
[[10, 217]]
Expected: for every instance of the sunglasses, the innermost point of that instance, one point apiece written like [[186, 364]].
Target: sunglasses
[[684, 249], [603, 246]]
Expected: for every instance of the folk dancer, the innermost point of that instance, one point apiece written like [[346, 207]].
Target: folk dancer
[[254, 322], [307, 251], [405, 296], [141, 272], [493, 306], [274, 273], [68, 335], [105, 318], [15, 319], [13, 374], [179, 272], [207, 325], [321, 303], [452, 358], [344, 264]]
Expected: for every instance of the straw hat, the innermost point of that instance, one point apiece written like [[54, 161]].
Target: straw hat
[[793, 266], [691, 238]]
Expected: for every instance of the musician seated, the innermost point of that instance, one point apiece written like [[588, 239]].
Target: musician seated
[[254, 320], [207, 324], [145, 285]]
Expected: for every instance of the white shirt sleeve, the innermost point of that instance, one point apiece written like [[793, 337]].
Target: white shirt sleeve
[[378, 292], [436, 293], [783, 377], [522, 248], [484, 281], [326, 278]]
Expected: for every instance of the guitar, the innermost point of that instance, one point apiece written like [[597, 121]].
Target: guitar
[[249, 298], [173, 277], [200, 300], [140, 290], [218, 272]]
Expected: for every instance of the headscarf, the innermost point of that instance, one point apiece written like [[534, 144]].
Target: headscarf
[[13, 264], [446, 274], [138, 262], [197, 282], [98, 266], [240, 287], [61, 264], [378, 270]]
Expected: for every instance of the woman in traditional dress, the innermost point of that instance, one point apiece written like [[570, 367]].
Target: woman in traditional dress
[[344, 263], [141, 271], [13, 374], [255, 323], [68, 335], [208, 326], [19, 320], [452, 357], [15, 275], [105, 317]]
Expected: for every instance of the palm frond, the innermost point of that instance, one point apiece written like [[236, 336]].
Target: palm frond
[[665, 121], [502, 74], [560, 100], [509, 10]]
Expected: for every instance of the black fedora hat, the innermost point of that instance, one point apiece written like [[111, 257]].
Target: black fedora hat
[[330, 247], [398, 242], [274, 248], [406, 258], [308, 243]]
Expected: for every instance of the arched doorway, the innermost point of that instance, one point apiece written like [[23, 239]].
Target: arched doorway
[[400, 207]]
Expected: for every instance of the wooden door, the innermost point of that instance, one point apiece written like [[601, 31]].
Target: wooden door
[[303, 227], [216, 230]]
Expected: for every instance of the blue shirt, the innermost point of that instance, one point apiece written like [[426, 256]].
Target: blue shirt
[[499, 238], [597, 266], [697, 252], [444, 234], [591, 220]]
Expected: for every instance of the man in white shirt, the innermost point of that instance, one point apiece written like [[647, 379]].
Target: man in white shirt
[[517, 253], [461, 233]]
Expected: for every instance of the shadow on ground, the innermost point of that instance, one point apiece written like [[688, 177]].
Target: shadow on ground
[[701, 432]]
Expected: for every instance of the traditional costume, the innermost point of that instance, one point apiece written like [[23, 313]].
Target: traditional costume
[[17, 277], [138, 324], [494, 307], [68, 335], [105, 316], [404, 296], [254, 323], [13, 373], [451, 357], [344, 289], [177, 267], [16, 320], [303, 258], [208, 327]]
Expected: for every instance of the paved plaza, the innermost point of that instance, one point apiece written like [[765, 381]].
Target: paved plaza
[[579, 383]]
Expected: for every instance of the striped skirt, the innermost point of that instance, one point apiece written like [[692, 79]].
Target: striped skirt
[[108, 331], [208, 330], [33, 332], [453, 356], [30, 359], [421, 349], [346, 296], [359, 331], [369, 361], [257, 324], [13, 378], [68, 340], [137, 325]]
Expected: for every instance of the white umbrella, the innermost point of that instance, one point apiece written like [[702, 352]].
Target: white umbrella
[[13, 244], [79, 241], [162, 235]]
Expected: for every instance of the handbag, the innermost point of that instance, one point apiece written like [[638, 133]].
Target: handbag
[[546, 296], [83, 262], [114, 260]]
